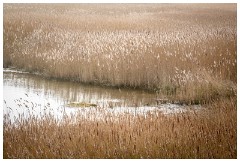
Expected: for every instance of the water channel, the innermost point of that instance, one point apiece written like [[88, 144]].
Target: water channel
[[26, 94]]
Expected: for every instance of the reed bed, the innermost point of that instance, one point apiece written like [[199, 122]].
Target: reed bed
[[182, 52], [211, 133], [187, 52]]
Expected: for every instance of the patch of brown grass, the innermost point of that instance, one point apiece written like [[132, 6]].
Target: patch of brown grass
[[210, 133], [187, 52]]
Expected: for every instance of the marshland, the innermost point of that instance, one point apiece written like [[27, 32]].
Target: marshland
[[119, 80]]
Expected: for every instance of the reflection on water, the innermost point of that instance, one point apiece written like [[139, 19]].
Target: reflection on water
[[26, 94], [65, 92]]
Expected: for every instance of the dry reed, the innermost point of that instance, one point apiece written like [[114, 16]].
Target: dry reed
[[210, 133], [187, 52]]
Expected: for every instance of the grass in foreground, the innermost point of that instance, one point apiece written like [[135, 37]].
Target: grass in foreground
[[209, 133]]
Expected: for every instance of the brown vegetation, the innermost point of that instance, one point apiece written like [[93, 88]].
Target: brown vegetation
[[211, 133], [185, 51]]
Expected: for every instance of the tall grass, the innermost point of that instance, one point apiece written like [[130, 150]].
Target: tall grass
[[210, 133], [185, 51]]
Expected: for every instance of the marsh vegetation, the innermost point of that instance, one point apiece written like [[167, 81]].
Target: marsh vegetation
[[182, 53]]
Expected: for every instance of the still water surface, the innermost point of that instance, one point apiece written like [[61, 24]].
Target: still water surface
[[27, 95]]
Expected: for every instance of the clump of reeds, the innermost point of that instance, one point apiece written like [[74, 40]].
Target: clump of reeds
[[210, 133], [184, 54]]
